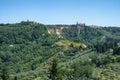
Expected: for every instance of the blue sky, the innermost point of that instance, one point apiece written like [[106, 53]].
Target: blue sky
[[97, 12]]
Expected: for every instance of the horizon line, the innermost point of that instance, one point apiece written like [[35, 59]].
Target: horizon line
[[77, 22]]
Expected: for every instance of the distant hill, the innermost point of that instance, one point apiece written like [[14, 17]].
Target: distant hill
[[89, 35]]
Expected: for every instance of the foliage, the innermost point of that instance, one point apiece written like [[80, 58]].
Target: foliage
[[23, 46], [4, 74], [54, 70], [82, 70], [116, 51], [105, 46], [92, 36], [29, 52]]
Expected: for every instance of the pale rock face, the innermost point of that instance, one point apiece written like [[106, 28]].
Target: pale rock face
[[48, 32], [58, 31], [55, 31]]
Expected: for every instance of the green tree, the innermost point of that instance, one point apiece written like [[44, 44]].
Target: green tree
[[15, 78], [82, 71], [4, 74], [54, 70], [116, 51]]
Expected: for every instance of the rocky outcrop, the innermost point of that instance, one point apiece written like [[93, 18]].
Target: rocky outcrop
[[58, 31]]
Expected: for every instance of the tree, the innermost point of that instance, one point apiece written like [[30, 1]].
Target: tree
[[4, 74], [15, 78], [54, 70], [116, 51], [82, 70]]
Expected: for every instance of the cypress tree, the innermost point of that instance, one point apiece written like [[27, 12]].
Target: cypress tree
[[54, 70]]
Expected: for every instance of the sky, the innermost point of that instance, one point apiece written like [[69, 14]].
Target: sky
[[90, 12]]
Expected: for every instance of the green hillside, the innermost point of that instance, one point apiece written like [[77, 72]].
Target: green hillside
[[91, 36], [29, 52], [24, 46]]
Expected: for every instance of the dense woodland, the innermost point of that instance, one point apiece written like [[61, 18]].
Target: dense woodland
[[29, 52]]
